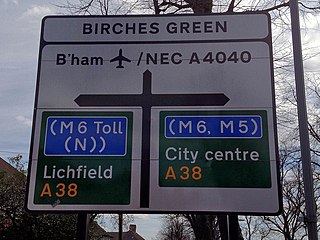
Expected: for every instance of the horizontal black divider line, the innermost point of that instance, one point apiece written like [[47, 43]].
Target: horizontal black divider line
[[119, 42], [102, 100], [146, 100]]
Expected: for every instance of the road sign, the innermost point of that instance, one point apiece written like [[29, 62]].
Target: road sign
[[155, 114], [216, 149], [85, 136], [82, 152]]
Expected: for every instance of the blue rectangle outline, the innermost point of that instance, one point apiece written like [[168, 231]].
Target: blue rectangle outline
[[86, 155], [209, 136]]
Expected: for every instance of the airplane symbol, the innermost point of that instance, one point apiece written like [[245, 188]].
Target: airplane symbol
[[120, 58]]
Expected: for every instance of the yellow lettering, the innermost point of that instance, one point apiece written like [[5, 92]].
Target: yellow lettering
[[170, 173], [196, 173], [72, 190], [46, 190], [61, 190], [185, 173]]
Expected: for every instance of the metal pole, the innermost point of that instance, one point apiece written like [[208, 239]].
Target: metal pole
[[223, 226], [228, 226], [311, 217], [233, 226], [120, 225], [82, 226]]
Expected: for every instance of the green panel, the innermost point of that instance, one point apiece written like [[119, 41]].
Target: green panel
[[218, 162], [91, 180]]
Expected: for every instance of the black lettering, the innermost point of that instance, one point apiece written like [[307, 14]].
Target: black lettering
[[175, 60], [74, 60], [131, 28], [149, 58], [184, 26], [196, 27], [61, 59], [86, 28], [208, 58], [154, 28], [221, 27], [143, 28], [84, 61], [194, 58], [117, 28], [96, 61], [165, 58], [172, 27], [105, 28], [208, 27]]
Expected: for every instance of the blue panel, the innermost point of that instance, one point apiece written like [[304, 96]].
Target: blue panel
[[213, 126], [86, 136]]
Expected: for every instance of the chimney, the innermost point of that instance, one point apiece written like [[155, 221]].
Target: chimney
[[133, 228]]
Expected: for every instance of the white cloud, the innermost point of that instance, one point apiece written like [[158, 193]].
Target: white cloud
[[37, 11], [310, 35], [33, 15], [24, 120], [6, 2], [141, 216]]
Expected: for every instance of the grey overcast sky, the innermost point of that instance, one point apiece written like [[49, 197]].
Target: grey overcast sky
[[20, 24]]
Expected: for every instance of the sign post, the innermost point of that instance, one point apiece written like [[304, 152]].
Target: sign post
[[155, 114], [311, 215]]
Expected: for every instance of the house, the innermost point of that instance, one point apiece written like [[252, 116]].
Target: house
[[129, 235], [5, 170], [6, 167]]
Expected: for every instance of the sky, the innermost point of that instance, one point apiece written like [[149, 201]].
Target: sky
[[19, 42], [20, 22]]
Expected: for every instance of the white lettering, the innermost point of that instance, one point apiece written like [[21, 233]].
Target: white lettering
[[181, 154], [79, 172], [232, 155]]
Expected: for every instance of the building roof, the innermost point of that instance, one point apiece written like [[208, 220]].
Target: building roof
[[6, 167], [130, 235]]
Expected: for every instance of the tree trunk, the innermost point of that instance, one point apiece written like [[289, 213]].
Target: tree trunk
[[200, 6]]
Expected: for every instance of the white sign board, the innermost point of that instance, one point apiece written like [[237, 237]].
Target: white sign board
[[148, 104]]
